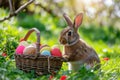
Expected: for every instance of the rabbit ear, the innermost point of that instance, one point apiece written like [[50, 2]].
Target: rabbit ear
[[78, 20], [68, 20]]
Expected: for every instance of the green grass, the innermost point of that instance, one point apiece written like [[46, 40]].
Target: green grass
[[103, 39]]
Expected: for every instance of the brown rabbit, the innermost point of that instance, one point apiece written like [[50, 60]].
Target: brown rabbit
[[76, 51]]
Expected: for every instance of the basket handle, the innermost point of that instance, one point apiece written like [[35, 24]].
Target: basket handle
[[38, 37]]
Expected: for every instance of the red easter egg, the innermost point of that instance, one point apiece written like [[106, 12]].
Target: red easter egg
[[19, 49], [56, 52]]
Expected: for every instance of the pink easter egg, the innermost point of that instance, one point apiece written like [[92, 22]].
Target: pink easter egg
[[19, 49], [56, 52]]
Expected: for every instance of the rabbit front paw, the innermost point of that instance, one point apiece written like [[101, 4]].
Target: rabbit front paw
[[66, 57]]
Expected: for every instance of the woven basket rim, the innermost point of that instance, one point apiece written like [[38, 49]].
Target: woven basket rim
[[39, 56]]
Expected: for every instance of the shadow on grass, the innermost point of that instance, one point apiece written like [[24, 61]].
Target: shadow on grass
[[82, 74]]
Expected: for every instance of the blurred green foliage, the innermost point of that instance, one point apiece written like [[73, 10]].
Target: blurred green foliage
[[107, 35], [8, 40], [104, 39]]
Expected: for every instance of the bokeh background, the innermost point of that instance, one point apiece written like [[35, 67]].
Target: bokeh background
[[100, 29]]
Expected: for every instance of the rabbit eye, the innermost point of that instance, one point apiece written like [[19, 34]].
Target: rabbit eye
[[69, 33]]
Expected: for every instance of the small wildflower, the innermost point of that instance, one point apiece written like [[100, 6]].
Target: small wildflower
[[4, 54], [106, 59], [51, 77], [63, 77]]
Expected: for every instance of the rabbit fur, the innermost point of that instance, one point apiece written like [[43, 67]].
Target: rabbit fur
[[76, 51]]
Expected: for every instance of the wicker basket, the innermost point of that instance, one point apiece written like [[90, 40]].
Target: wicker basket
[[40, 64]]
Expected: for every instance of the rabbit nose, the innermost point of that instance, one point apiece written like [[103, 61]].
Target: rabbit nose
[[63, 41]]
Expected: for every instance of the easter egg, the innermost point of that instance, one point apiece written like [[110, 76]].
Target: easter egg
[[33, 44], [45, 48], [46, 53], [24, 43], [29, 50], [56, 52], [19, 49]]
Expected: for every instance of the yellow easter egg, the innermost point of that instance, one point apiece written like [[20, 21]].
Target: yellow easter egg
[[45, 48]]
